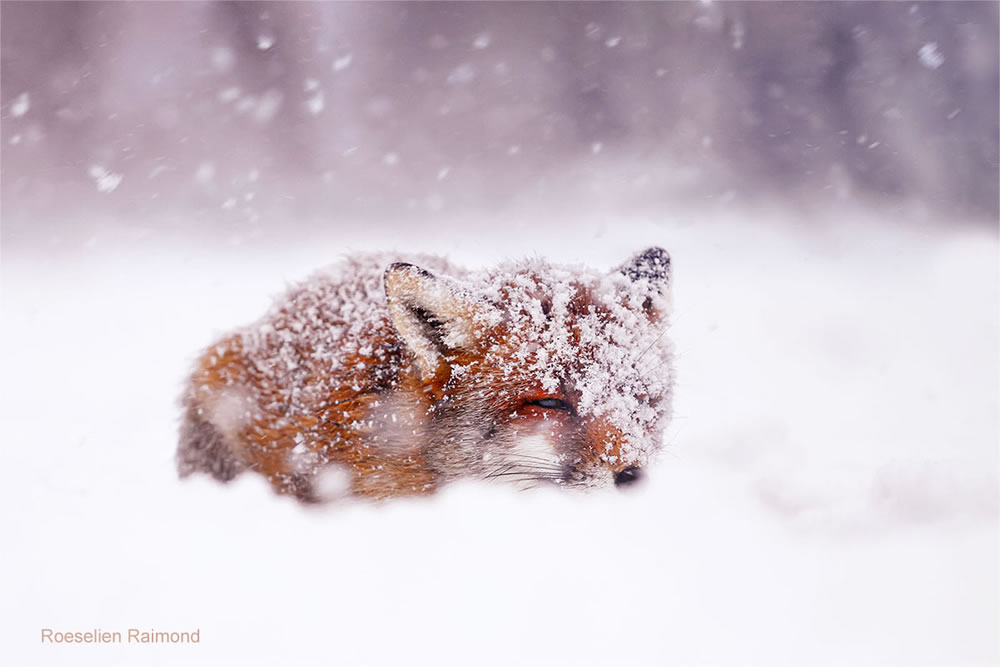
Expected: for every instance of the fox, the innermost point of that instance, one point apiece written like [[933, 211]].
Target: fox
[[387, 375]]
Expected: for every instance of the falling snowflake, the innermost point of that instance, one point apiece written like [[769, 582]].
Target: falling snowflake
[[223, 59], [482, 40], [205, 173], [267, 106], [229, 94], [929, 56], [105, 180], [343, 62], [20, 105], [265, 41], [464, 73], [316, 103]]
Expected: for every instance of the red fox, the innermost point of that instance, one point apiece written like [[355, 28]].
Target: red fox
[[401, 376]]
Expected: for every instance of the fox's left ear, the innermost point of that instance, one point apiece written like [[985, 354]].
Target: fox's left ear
[[651, 268], [432, 316]]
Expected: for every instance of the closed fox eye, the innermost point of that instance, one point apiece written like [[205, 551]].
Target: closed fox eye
[[552, 404]]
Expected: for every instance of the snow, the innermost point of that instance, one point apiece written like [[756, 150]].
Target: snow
[[481, 41], [929, 56], [827, 489], [266, 108], [464, 73], [105, 180], [343, 62], [223, 59], [205, 173], [316, 103], [265, 41], [21, 105], [827, 495], [230, 94]]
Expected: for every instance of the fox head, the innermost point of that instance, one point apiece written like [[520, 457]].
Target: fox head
[[537, 373]]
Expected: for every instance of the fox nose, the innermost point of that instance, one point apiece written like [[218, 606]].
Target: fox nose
[[628, 476]]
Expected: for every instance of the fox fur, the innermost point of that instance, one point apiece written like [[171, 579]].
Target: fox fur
[[386, 376]]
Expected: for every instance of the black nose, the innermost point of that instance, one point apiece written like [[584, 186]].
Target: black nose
[[628, 476]]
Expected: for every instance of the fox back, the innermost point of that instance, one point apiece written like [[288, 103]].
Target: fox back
[[380, 377]]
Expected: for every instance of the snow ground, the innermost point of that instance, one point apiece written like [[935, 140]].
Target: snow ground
[[828, 495]]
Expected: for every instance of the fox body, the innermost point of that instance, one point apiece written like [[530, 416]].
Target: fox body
[[379, 377]]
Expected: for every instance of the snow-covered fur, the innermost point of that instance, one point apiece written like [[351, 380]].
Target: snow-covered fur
[[403, 373]]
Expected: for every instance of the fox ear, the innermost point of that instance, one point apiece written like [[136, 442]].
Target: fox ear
[[430, 314], [650, 268], [653, 265]]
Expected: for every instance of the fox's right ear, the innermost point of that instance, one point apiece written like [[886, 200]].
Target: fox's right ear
[[431, 315], [651, 265], [650, 272]]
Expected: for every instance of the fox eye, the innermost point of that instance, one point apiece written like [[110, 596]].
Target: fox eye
[[552, 404]]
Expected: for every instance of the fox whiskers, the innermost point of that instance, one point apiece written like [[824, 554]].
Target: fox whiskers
[[530, 469]]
